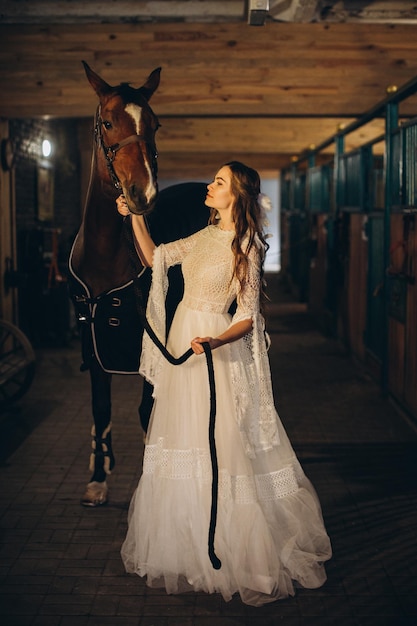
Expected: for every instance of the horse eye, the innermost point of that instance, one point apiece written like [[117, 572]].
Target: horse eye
[[107, 125]]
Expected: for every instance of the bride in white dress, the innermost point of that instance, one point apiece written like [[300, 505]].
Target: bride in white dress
[[270, 532]]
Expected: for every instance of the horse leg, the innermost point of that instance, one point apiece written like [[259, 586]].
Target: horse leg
[[102, 459], [146, 404]]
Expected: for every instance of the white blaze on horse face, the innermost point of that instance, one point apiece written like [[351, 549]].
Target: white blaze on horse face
[[135, 112]]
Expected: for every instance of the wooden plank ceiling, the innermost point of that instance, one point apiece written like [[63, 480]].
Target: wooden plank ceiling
[[228, 89]]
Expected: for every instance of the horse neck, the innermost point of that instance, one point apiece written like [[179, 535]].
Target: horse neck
[[100, 257], [102, 225]]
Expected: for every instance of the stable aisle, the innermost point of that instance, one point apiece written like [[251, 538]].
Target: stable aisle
[[60, 563]]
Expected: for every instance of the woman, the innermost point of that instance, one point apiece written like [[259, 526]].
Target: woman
[[269, 530]]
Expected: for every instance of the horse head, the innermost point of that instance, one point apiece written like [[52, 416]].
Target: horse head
[[125, 129]]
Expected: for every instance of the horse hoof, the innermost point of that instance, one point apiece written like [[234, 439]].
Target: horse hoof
[[96, 494]]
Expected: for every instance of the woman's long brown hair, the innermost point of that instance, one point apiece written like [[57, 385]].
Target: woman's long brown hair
[[246, 213]]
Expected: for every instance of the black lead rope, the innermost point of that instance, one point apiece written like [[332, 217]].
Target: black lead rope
[[215, 561]]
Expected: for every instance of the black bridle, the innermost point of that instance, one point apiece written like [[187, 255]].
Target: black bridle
[[111, 151]]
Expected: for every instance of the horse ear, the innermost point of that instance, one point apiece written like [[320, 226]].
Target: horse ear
[[151, 84], [98, 84]]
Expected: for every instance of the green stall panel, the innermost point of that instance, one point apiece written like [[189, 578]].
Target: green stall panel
[[334, 269], [299, 253], [377, 184], [319, 188], [285, 193], [299, 182], [409, 193], [396, 178], [355, 186]]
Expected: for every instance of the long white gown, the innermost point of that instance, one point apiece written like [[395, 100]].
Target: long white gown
[[270, 531]]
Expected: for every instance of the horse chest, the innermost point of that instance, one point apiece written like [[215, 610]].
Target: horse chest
[[102, 270]]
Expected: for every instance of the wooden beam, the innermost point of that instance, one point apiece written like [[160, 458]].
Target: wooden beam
[[230, 69], [269, 137], [246, 135], [202, 166], [226, 92], [203, 11], [120, 11]]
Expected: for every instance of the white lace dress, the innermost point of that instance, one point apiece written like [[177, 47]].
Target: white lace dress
[[269, 530]]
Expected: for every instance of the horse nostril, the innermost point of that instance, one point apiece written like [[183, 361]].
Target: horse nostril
[[133, 192]]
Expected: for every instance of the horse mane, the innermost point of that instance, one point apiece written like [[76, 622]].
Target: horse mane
[[126, 92]]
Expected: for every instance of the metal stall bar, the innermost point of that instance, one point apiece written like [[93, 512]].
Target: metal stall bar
[[391, 125], [394, 168]]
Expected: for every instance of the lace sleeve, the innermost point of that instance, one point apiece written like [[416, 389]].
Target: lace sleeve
[[165, 255], [251, 374], [175, 251], [248, 296]]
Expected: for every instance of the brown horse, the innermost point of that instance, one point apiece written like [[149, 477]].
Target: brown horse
[[124, 161], [101, 268]]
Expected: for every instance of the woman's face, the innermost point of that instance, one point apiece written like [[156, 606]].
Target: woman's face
[[219, 192]]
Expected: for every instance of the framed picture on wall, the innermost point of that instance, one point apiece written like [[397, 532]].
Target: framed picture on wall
[[45, 194]]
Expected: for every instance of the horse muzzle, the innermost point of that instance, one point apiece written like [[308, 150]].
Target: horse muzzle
[[139, 201]]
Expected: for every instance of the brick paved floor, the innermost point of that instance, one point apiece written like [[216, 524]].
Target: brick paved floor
[[60, 564]]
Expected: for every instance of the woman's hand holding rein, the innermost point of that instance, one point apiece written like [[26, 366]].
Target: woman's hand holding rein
[[233, 333], [143, 241], [122, 206], [196, 344]]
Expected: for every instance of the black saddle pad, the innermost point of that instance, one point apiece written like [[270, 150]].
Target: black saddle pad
[[110, 327], [117, 331]]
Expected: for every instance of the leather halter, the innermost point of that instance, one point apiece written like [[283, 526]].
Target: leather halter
[[110, 151]]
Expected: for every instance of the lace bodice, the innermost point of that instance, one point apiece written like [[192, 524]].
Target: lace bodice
[[207, 266]]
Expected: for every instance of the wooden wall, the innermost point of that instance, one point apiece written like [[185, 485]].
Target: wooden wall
[[396, 327], [226, 89], [317, 282], [8, 301], [356, 285], [403, 332], [410, 379]]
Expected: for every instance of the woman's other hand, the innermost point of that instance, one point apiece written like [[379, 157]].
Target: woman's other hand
[[122, 205], [237, 331], [198, 348]]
